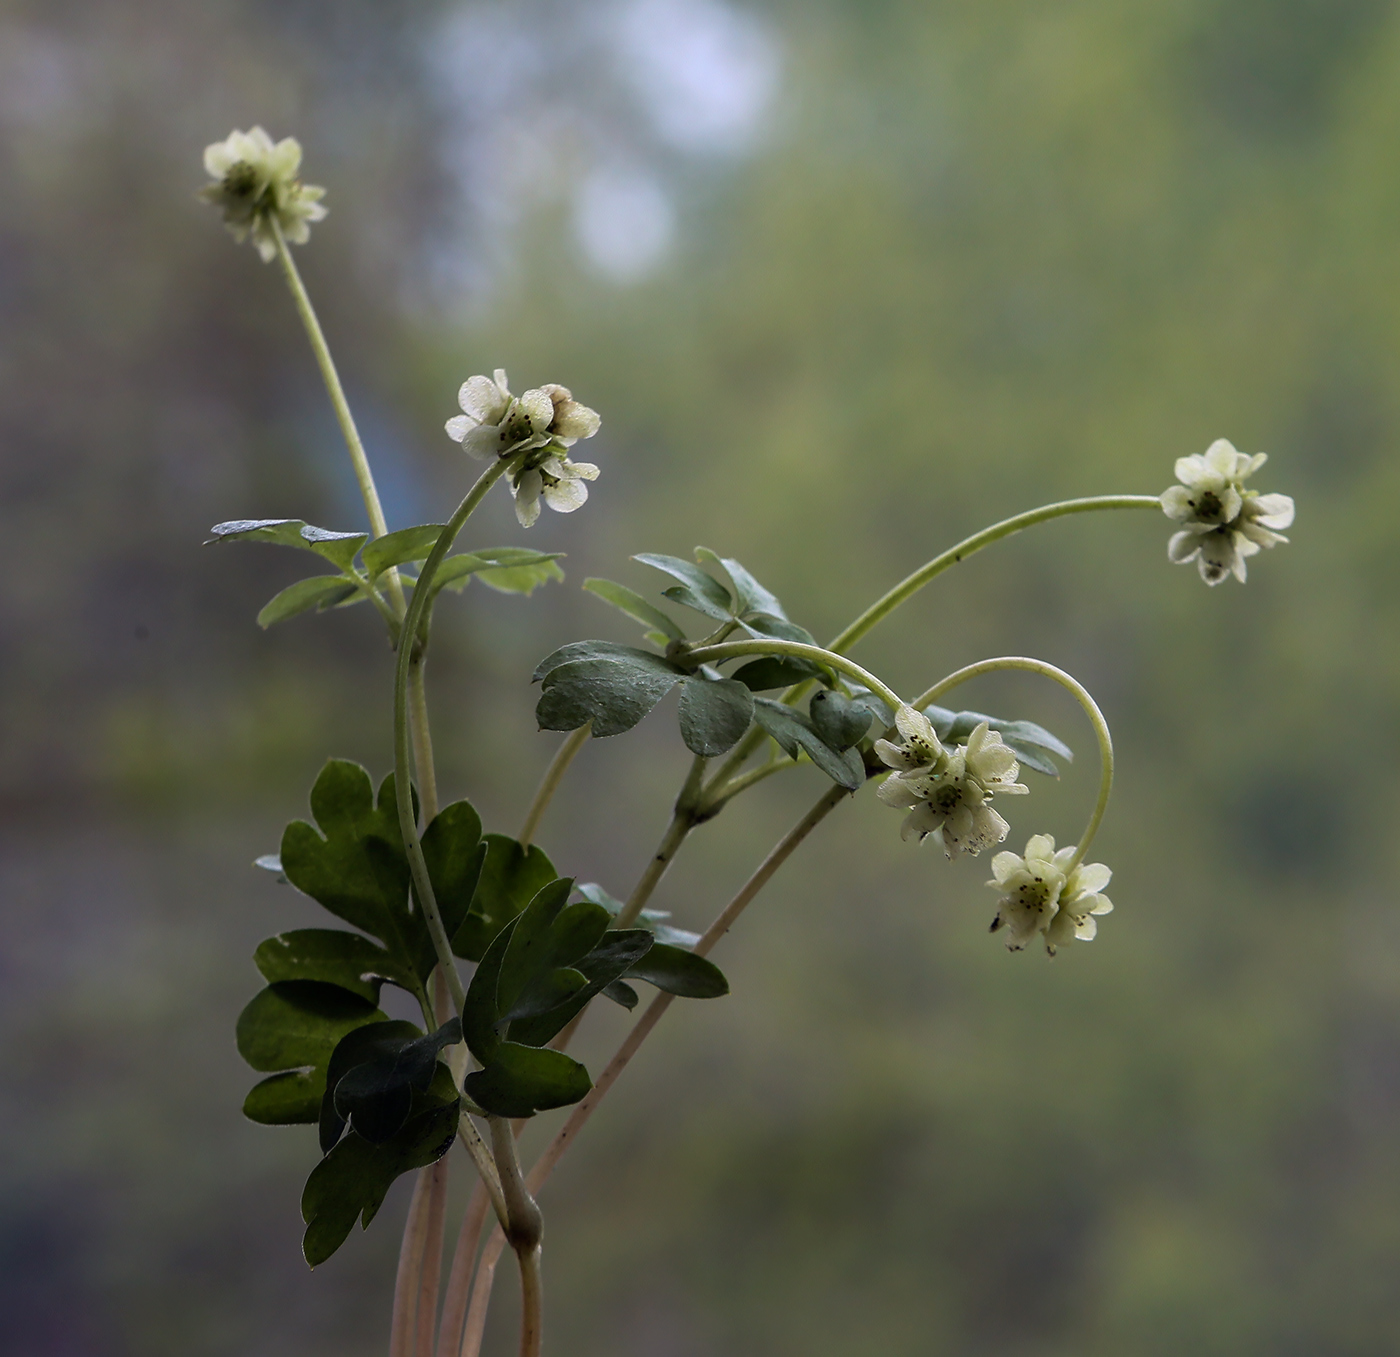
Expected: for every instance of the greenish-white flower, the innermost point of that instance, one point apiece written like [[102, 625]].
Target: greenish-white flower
[[1041, 895], [947, 792], [256, 187], [1222, 522], [542, 424]]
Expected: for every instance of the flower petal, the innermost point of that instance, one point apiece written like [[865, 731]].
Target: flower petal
[[1272, 511], [565, 496], [481, 398], [1183, 547], [527, 497], [459, 426]]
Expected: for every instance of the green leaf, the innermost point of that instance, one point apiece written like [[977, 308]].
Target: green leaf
[[590, 650], [680, 972], [752, 596], [294, 1026], [320, 592], [839, 720], [395, 548], [376, 1096], [1026, 738], [355, 866], [332, 956], [522, 1080], [635, 606], [616, 950], [281, 532], [775, 671], [795, 735], [455, 854], [352, 1180], [511, 876], [620, 992], [697, 589], [650, 919], [614, 691], [481, 1011], [455, 572], [714, 715], [340, 548], [517, 570], [355, 1048]]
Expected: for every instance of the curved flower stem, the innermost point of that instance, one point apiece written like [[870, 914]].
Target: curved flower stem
[[481, 1294], [459, 1281], [909, 586], [407, 1282], [549, 783], [1091, 709], [730, 650], [410, 644], [430, 1269]]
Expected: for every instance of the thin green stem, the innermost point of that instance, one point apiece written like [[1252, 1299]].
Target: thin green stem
[[1080, 692], [718, 794], [549, 783], [765, 645], [423, 762], [409, 644], [682, 822], [475, 1145], [524, 1230], [364, 477], [907, 588]]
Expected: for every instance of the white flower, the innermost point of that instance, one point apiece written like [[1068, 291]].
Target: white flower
[[541, 423], [256, 185], [1222, 522], [1041, 894], [947, 793]]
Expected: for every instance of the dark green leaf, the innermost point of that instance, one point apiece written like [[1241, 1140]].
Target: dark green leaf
[[774, 671], [839, 720], [281, 532], [536, 947], [375, 1097], [510, 878], [545, 992], [522, 1080], [455, 572], [620, 992], [613, 692], [293, 1026], [590, 650], [319, 592], [517, 570], [352, 1180], [358, 869], [455, 856], [651, 919], [635, 606], [481, 1010], [697, 589], [752, 596], [680, 972], [714, 715], [395, 548], [794, 734], [616, 950], [1026, 738], [333, 956], [355, 1048]]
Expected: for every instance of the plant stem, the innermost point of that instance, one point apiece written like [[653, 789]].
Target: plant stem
[[765, 871], [406, 1284], [1091, 709], [364, 477], [430, 1269], [481, 1294], [486, 1168], [549, 783], [409, 644], [682, 822], [911, 585], [459, 1281], [765, 645], [422, 741], [531, 1303], [524, 1229]]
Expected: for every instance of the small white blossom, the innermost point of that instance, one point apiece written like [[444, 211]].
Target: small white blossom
[[541, 423], [256, 185], [947, 792], [1041, 895], [1222, 522]]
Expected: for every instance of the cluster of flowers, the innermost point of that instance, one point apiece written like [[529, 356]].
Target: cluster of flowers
[[536, 427], [1222, 522], [256, 187]]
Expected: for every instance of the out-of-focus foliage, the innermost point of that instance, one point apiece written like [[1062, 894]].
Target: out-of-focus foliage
[[962, 258]]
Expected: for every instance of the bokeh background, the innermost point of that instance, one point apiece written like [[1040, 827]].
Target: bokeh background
[[847, 280]]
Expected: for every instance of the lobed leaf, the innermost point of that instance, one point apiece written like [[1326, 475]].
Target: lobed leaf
[[680, 972], [839, 720], [714, 714], [615, 689], [333, 957], [510, 878], [522, 1080], [397, 548], [697, 588], [636, 607], [752, 596], [320, 592], [795, 735], [376, 1095]]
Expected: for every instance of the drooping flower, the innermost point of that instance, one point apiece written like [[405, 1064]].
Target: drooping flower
[[541, 423], [256, 187], [1222, 522], [947, 792], [1042, 895]]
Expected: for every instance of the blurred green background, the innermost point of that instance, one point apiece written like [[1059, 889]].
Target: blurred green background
[[846, 281]]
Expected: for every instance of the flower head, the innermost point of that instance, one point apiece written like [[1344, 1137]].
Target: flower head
[[541, 423], [256, 186], [1222, 522], [1042, 895], [947, 792]]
